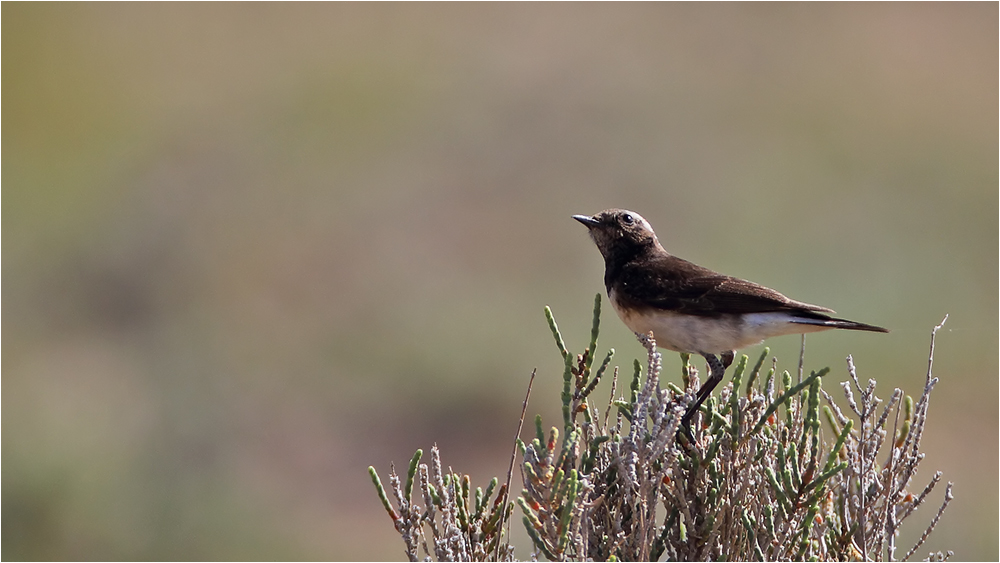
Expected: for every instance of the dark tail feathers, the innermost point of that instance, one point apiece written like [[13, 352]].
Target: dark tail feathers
[[823, 320]]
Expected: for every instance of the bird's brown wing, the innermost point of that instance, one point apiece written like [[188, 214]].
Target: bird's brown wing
[[673, 284]]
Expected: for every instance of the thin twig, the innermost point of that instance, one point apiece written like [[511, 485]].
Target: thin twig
[[802, 357], [510, 470], [930, 357], [934, 522]]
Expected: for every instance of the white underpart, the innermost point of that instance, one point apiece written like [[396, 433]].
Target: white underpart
[[711, 335]]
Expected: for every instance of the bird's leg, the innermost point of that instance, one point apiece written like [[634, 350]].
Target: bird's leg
[[727, 358], [718, 368]]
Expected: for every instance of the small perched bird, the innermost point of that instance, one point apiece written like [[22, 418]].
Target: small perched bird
[[689, 308]]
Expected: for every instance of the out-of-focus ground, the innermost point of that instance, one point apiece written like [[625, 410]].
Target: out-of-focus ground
[[249, 250]]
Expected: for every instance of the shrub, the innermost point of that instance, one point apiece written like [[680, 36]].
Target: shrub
[[764, 479]]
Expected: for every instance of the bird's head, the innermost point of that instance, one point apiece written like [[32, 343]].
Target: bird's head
[[619, 232]]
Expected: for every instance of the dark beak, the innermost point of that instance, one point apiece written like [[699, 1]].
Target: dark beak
[[590, 222]]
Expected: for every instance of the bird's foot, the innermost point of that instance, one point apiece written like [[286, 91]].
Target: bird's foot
[[718, 370]]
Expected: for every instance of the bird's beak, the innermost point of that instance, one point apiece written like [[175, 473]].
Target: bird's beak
[[590, 222]]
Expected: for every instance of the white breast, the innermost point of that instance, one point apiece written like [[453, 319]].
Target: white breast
[[711, 335]]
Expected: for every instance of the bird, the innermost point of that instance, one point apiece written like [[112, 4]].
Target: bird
[[692, 309]]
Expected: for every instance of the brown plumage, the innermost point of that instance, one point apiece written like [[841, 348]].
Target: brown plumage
[[689, 308]]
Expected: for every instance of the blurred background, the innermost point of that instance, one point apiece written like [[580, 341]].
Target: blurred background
[[251, 249]]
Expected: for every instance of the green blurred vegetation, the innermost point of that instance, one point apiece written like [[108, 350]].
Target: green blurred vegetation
[[250, 250]]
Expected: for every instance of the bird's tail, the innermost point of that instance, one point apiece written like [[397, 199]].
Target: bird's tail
[[823, 320]]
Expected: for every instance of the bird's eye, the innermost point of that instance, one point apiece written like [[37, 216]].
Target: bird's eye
[[627, 219]]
